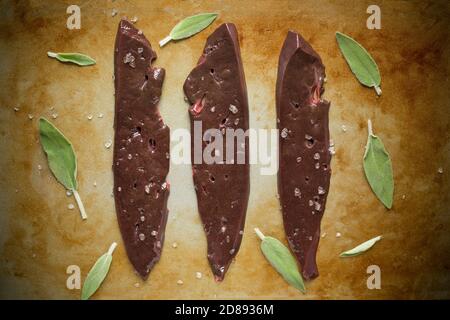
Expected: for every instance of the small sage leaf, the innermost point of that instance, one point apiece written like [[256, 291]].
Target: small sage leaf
[[189, 26], [363, 247], [360, 61], [378, 169], [282, 260], [97, 273], [76, 58], [61, 158]]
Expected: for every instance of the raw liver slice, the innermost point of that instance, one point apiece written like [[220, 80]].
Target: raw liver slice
[[304, 172], [217, 93], [141, 149]]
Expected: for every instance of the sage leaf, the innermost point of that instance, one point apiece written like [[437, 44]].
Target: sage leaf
[[76, 58], [360, 61], [189, 26], [97, 273], [363, 247], [282, 260], [61, 159], [378, 169]]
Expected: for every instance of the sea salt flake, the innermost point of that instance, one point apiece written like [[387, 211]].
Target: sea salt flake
[[320, 190], [129, 59], [174, 245], [70, 206], [108, 144], [338, 234], [440, 170], [198, 275], [141, 236], [180, 282], [233, 109], [284, 133]]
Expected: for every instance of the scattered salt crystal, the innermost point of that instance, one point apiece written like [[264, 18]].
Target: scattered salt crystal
[[95, 183], [147, 189], [141, 236], [142, 218], [129, 59], [198, 275], [299, 159], [180, 282], [404, 197], [100, 115], [154, 233], [331, 149], [324, 235], [317, 206], [241, 232], [284, 133], [311, 203], [440, 170], [320, 190], [338, 234], [344, 128], [174, 245], [213, 109], [310, 238], [232, 251], [30, 116], [16, 109], [317, 165], [119, 189], [89, 117], [68, 193], [233, 109], [54, 115], [39, 167], [136, 285], [113, 13], [130, 156], [134, 19], [316, 156], [297, 192], [139, 32], [108, 144], [223, 229], [70, 206]]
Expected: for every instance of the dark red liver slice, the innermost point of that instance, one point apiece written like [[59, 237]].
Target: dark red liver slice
[[304, 173], [141, 149], [217, 93]]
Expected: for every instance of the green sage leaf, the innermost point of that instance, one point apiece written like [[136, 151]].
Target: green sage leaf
[[282, 260], [97, 273], [61, 158], [363, 247], [189, 26], [76, 58], [378, 169], [360, 61]]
